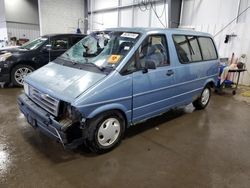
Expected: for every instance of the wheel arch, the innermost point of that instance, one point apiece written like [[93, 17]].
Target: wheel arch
[[19, 63], [210, 83], [108, 108], [30, 63]]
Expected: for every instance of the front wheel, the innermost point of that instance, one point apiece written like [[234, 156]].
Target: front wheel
[[105, 132], [203, 100], [18, 74]]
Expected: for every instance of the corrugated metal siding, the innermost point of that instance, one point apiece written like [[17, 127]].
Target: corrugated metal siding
[[128, 17], [19, 30]]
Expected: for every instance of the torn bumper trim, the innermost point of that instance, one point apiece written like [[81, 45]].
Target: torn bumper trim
[[41, 120]]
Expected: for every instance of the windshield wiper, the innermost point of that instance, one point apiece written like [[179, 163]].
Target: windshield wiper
[[94, 65], [68, 58]]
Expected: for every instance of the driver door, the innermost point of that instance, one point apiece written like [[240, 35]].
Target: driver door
[[55, 47], [152, 88], [59, 45]]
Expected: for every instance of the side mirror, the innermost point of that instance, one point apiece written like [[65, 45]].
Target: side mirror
[[149, 64], [47, 48]]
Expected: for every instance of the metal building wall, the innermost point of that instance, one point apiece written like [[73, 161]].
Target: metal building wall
[[20, 30], [132, 13], [3, 27], [60, 16], [22, 18]]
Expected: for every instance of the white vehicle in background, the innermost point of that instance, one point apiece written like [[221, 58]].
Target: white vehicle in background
[[2, 49]]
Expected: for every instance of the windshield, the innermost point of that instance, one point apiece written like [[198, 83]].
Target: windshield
[[34, 44], [103, 49]]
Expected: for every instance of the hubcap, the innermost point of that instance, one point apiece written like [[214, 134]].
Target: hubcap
[[108, 132], [205, 96], [21, 73]]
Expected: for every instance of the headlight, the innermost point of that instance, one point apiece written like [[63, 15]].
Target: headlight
[[26, 88], [3, 57], [72, 113]]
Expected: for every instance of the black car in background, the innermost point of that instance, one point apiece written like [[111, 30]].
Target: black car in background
[[16, 63]]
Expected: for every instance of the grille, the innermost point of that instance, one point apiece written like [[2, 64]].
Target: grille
[[47, 102]]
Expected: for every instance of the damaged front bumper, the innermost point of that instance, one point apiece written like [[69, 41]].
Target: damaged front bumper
[[40, 119]]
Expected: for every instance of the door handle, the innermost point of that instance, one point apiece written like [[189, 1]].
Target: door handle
[[170, 72]]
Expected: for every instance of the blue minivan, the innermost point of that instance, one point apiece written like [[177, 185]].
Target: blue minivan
[[116, 78]]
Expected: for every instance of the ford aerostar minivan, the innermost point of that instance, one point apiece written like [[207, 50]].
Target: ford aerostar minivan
[[115, 78]]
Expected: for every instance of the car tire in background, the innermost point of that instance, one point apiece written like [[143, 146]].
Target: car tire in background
[[19, 72]]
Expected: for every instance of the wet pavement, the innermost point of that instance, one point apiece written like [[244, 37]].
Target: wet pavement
[[182, 148]]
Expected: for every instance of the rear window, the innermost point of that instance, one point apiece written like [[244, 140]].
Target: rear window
[[192, 48], [207, 48]]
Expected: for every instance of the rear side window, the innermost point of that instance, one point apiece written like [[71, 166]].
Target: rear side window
[[207, 48], [192, 48], [182, 48]]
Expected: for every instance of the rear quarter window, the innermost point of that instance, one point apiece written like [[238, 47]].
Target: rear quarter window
[[207, 48], [194, 48]]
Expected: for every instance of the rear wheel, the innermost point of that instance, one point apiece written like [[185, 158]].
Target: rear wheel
[[204, 99], [19, 72], [105, 132]]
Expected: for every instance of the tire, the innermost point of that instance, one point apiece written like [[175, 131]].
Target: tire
[[19, 72], [6, 85], [98, 137], [203, 100]]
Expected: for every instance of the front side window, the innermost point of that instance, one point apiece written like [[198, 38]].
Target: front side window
[[59, 44], [153, 48], [103, 49]]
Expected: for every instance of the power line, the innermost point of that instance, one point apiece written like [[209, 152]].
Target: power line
[[154, 7], [145, 5], [231, 21], [159, 17]]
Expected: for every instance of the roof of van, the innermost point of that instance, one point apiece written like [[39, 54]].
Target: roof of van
[[63, 34], [167, 30]]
